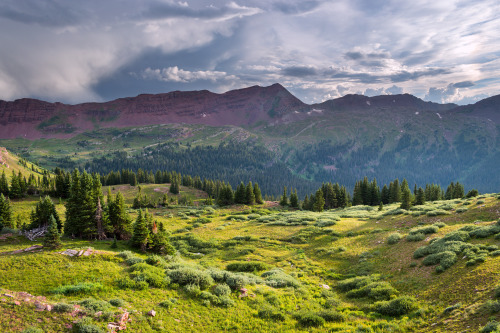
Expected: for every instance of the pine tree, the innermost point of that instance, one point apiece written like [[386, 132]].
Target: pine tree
[[174, 186], [159, 242], [5, 212], [15, 191], [240, 194], [42, 214], [357, 196], [294, 199], [305, 203], [250, 196], [380, 206], [257, 194], [319, 201], [114, 245], [4, 185], [141, 232], [118, 217], [385, 195], [52, 238], [406, 198], [420, 197], [284, 198]]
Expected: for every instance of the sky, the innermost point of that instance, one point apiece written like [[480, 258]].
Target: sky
[[74, 51]]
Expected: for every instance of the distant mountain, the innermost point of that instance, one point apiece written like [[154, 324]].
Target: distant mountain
[[30, 118], [340, 140]]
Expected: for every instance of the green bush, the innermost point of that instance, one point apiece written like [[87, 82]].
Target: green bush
[[156, 260], [396, 307], [62, 308], [80, 288], [309, 319], [187, 275], [445, 259], [268, 312], [437, 212], [154, 276], [486, 231], [133, 260], [117, 302], [355, 282], [332, 316], [277, 278], [377, 291], [429, 229], [415, 237], [247, 266], [394, 238], [440, 224], [451, 308], [94, 305], [168, 303], [225, 301], [492, 306], [126, 283], [126, 254], [85, 325], [222, 290], [461, 236], [491, 326]]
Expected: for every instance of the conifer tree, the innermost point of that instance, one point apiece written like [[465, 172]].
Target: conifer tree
[[4, 185], [44, 211], [257, 194], [15, 191], [114, 245], [385, 195], [294, 199], [420, 197], [406, 198], [284, 198], [159, 242], [240, 194], [305, 203], [52, 238], [319, 201], [250, 196], [118, 217], [174, 186], [140, 237], [5, 212]]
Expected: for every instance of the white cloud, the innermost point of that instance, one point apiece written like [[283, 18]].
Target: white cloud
[[174, 74]]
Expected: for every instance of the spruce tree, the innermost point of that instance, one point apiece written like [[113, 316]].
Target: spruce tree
[[4, 185], [406, 198], [52, 238], [15, 191], [257, 194], [294, 199], [284, 198], [250, 196], [174, 186], [240, 194], [44, 211], [119, 219], [5, 212], [420, 197], [305, 203], [319, 201], [159, 242], [141, 232]]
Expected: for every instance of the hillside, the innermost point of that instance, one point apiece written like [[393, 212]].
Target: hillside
[[315, 256]]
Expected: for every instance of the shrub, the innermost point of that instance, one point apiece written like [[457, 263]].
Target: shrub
[[133, 260], [461, 210], [378, 291], [396, 307], [246, 266], [268, 312], [156, 260], [440, 224], [332, 316], [117, 302], [495, 253], [491, 326], [236, 281], [94, 305], [168, 303], [154, 276], [461, 236], [278, 279], [486, 231], [492, 306], [479, 202], [394, 238], [309, 319], [63, 307], [437, 212], [355, 282], [126, 283], [429, 229], [187, 275], [445, 259], [415, 237], [80, 288], [222, 290], [85, 325], [225, 301], [126, 254]]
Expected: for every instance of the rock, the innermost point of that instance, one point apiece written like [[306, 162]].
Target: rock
[[325, 286], [70, 253], [80, 253], [48, 307], [17, 303], [8, 295], [152, 313], [88, 252], [39, 306], [23, 293], [34, 247], [98, 314], [17, 251]]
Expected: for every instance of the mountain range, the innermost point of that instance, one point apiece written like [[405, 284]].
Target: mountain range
[[343, 139]]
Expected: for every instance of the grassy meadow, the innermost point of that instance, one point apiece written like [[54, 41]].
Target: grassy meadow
[[433, 268]]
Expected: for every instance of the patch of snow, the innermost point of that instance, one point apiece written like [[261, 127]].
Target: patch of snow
[[394, 101], [439, 116], [490, 119], [417, 112], [204, 115], [368, 102], [317, 110], [296, 112]]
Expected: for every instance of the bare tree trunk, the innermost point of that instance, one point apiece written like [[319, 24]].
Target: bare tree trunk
[[98, 218]]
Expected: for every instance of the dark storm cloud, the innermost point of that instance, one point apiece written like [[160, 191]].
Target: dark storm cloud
[[299, 71], [295, 8], [354, 55], [48, 13], [464, 84], [396, 77]]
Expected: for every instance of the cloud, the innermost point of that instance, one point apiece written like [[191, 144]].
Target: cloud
[[296, 8], [463, 84], [394, 90], [299, 71], [450, 94], [45, 13], [174, 74]]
